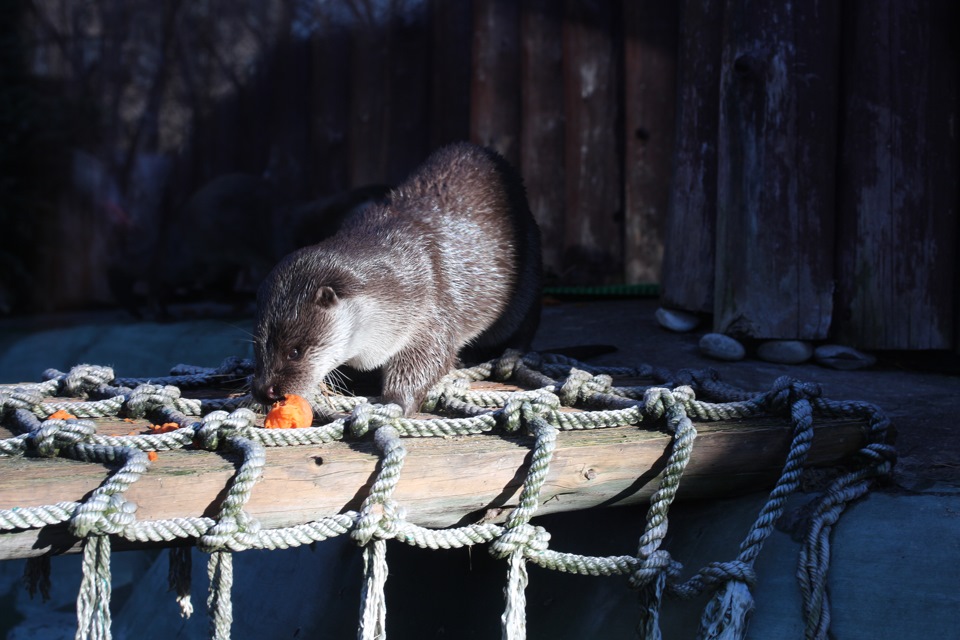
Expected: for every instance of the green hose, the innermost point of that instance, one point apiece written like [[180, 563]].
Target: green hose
[[646, 290]]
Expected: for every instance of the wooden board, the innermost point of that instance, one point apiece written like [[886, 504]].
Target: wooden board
[[690, 236], [452, 27], [650, 104], [328, 109], [542, 131], [445, 481], [898, 189], [593, 244], [779, 85], [407, 102], [495, 90]]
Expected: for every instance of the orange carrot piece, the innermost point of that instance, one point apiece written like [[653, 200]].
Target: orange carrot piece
[[292, 412], [166, 427]]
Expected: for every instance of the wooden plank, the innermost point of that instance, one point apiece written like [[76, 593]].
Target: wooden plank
[[593, 248], [650, 67], [689, 255], [542, 137], [369, 73], [495, 89], [407, 99], [776, 160], [898, 236], [445, 481], [329, 78], [450, 61]]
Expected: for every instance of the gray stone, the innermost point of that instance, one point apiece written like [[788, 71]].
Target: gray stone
[[785, 351], [721, 347], [675, 320], [843, 358]]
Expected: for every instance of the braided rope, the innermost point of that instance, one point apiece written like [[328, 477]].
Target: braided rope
[[557, 383], [93, 599]]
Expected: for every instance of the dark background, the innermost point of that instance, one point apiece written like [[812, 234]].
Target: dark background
[[790, 170]]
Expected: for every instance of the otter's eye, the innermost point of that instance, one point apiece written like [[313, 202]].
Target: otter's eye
[[294, 354]]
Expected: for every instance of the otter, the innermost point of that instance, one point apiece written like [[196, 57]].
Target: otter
[[447, 266]]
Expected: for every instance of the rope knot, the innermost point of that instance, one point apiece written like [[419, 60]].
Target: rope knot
[[55, 434], [651, 566], [506, 365], [366, 416], [580, 386], [208, 435], [683, 394], [26, 398], [718, 573], [103, 514], [786, 391], [657, 400], [85, 378], [531, 540], [232, 532], [696, 377], [379, 521], [526, 405], [219, 425], [147, 397], [450, 387]]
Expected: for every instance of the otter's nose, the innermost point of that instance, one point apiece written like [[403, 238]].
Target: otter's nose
[[266, 392]]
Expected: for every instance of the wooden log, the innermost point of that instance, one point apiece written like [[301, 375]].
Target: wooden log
[[495, 90], [444, 482], [776, 162], [689, 255], [542, 137], [898, 263], [593, 248], [650, 54]]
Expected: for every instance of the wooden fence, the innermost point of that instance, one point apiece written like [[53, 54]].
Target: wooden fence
[[789, 169], [824, 177]]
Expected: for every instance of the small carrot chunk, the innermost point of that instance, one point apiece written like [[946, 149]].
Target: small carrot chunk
[[292, 412], [166, 427], [152, 456], [60, 414]]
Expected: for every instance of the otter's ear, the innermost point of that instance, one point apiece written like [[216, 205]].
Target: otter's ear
[[326, 296]]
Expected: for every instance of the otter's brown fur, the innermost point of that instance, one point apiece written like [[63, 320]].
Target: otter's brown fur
[[450, 260]]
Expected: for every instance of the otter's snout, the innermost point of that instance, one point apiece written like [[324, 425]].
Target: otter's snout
[[266, 391]]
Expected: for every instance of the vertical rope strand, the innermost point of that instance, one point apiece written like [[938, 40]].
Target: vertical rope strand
[[93, 600]]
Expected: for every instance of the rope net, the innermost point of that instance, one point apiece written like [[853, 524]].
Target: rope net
[[553, 382]]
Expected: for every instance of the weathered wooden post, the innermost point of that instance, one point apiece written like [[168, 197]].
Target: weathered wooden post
[[898, 232], [650, 96], [776, 169], [594, 226], [495, 92], [452, 24], [542, 129], [690, 234]]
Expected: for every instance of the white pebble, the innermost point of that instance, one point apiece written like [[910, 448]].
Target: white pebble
[[837, 356], [679, 321], [721, 347], [785, 351]]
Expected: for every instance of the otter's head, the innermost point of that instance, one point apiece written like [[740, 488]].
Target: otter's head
[[302, 330]]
